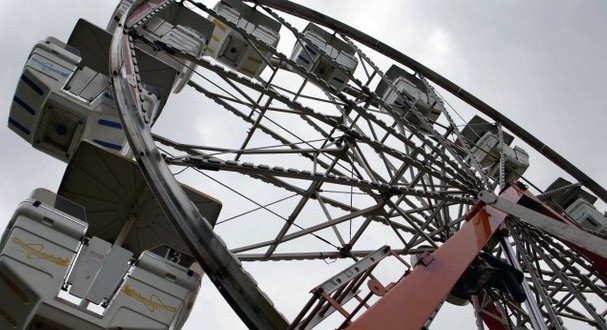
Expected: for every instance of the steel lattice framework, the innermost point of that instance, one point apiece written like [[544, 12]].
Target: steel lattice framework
[[341, 173]]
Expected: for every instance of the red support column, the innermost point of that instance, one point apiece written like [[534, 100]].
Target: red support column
[[413, 299]]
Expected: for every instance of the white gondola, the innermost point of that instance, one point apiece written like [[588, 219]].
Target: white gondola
[[576, 203], [326, 56], [483, 139], [64, 94], [117, 263], [405, 86], [587, 216], [232, 49], [176, 27]]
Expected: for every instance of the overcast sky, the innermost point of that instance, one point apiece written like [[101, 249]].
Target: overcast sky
[[540, 63]]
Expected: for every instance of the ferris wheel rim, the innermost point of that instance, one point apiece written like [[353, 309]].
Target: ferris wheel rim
[[210, 251]]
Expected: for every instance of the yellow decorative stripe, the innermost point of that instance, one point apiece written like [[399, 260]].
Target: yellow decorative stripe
[[214, 38], [219, 24], [248, 71], [254, 59], [34, 251], [152, 303], [209, 49]]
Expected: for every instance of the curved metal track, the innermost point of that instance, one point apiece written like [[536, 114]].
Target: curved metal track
[[239, 289]]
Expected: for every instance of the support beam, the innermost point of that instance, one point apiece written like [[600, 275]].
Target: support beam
[[534, 212], [415, 297], [552, 226]]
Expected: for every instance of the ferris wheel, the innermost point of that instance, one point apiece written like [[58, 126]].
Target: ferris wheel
[[332, 146]]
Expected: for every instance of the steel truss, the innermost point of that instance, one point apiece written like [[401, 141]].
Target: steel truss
[[342, 173]]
